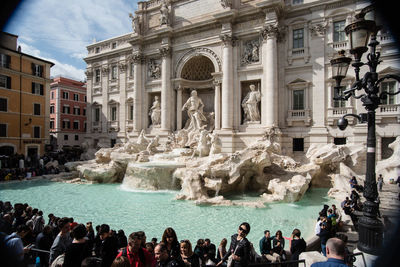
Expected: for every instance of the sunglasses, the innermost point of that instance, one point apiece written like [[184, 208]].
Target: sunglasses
[[243, 230]]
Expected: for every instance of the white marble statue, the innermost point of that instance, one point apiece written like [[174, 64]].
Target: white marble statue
[[250, 105], [155, 112], [152, 146], [135, 23], [216, 144], [142, 139], [164, 14], [203, 145], [154, 70], [194, 106]]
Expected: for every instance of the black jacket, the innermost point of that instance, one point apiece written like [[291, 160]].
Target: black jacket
[[242, 250]]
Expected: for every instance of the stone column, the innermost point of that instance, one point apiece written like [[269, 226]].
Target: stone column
[[137, 93], [227, 82], [269, 95], [104, 91], [122, 105], [89, 92], [217, 105], [165, 88], [179, 107]]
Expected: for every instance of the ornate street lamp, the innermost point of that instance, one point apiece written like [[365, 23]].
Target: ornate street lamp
[[370, 228]]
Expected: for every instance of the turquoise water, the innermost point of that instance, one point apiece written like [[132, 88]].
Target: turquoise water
[[152, 212]]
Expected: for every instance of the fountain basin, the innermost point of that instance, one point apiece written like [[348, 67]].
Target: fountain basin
[[152, 175]]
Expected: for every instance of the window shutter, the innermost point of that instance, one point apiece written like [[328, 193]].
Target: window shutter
[[8, 61], [33, 88], [41, 71], [33, 68], [8, 82], [41, 90]]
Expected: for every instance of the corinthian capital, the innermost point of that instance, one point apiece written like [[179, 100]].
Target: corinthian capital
[[270, 31], [89, 73], [136, 58], [319, 29], [165, 51], [228, 39]]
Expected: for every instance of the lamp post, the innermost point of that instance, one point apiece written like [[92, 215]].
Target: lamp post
[[370, 228]]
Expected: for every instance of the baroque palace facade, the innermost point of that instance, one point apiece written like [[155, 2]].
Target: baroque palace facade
[[220, 48]]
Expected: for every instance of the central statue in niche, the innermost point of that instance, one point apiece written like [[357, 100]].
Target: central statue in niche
[[250, 105], [194, 106]]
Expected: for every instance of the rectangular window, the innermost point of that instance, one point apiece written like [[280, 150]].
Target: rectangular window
[[66, 110], [389, 87], [52, 108], [65, 95], [3, 130], [297, 2], [5, 61], [114, 72], [52, 124], [84, 112], [298, 144], [84, 126], [97, 75], [76, 97], [77, 111], [76, 137], [5, 81], [97, 114], [52, 95], [298, 38], [37, 70], [113, 113], [36, 109], [339, 35], [339, 141], [298, 99], [340, 103], [36, 132], [66, 137], [97, 50], [85, 99], [76, 125], [37, 89], [130, 116], [113, 45], [3, 104]]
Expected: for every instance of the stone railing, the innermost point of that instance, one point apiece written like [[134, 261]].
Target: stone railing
[[388, 111], [113, 126], [340, 45], [96, 126], [301, 115], [335, 113]]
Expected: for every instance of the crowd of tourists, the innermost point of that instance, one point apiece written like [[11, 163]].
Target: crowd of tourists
[[63, 242], [18, 167]]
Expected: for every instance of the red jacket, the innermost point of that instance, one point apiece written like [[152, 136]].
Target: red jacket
[[134, 259]]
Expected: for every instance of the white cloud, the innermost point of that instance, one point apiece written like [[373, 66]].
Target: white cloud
[[62, 35], [59, 69]]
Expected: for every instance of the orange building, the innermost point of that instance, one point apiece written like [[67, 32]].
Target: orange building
[[24, 100]]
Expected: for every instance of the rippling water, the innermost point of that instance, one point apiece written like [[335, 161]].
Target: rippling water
[[152, 212]]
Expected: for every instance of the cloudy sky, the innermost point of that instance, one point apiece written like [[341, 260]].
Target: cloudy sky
[[59, 31]]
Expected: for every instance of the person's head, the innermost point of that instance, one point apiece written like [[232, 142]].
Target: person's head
[[267, 233], [63, 225], [186, 248], [161, 252], [150, 247], [91, 262], [121, 262], [200, 242], [89, 226], [79, 231], [333, 206], [244, 229], [143, 237], [223, 243], [40, 213], [23, 230], [278, 234], [154, 240], [252, 87], [335, 248], [47, 230], [104, 231], [207, 241], [134, 241], [193, 93], [296, 233], [169, 236]]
